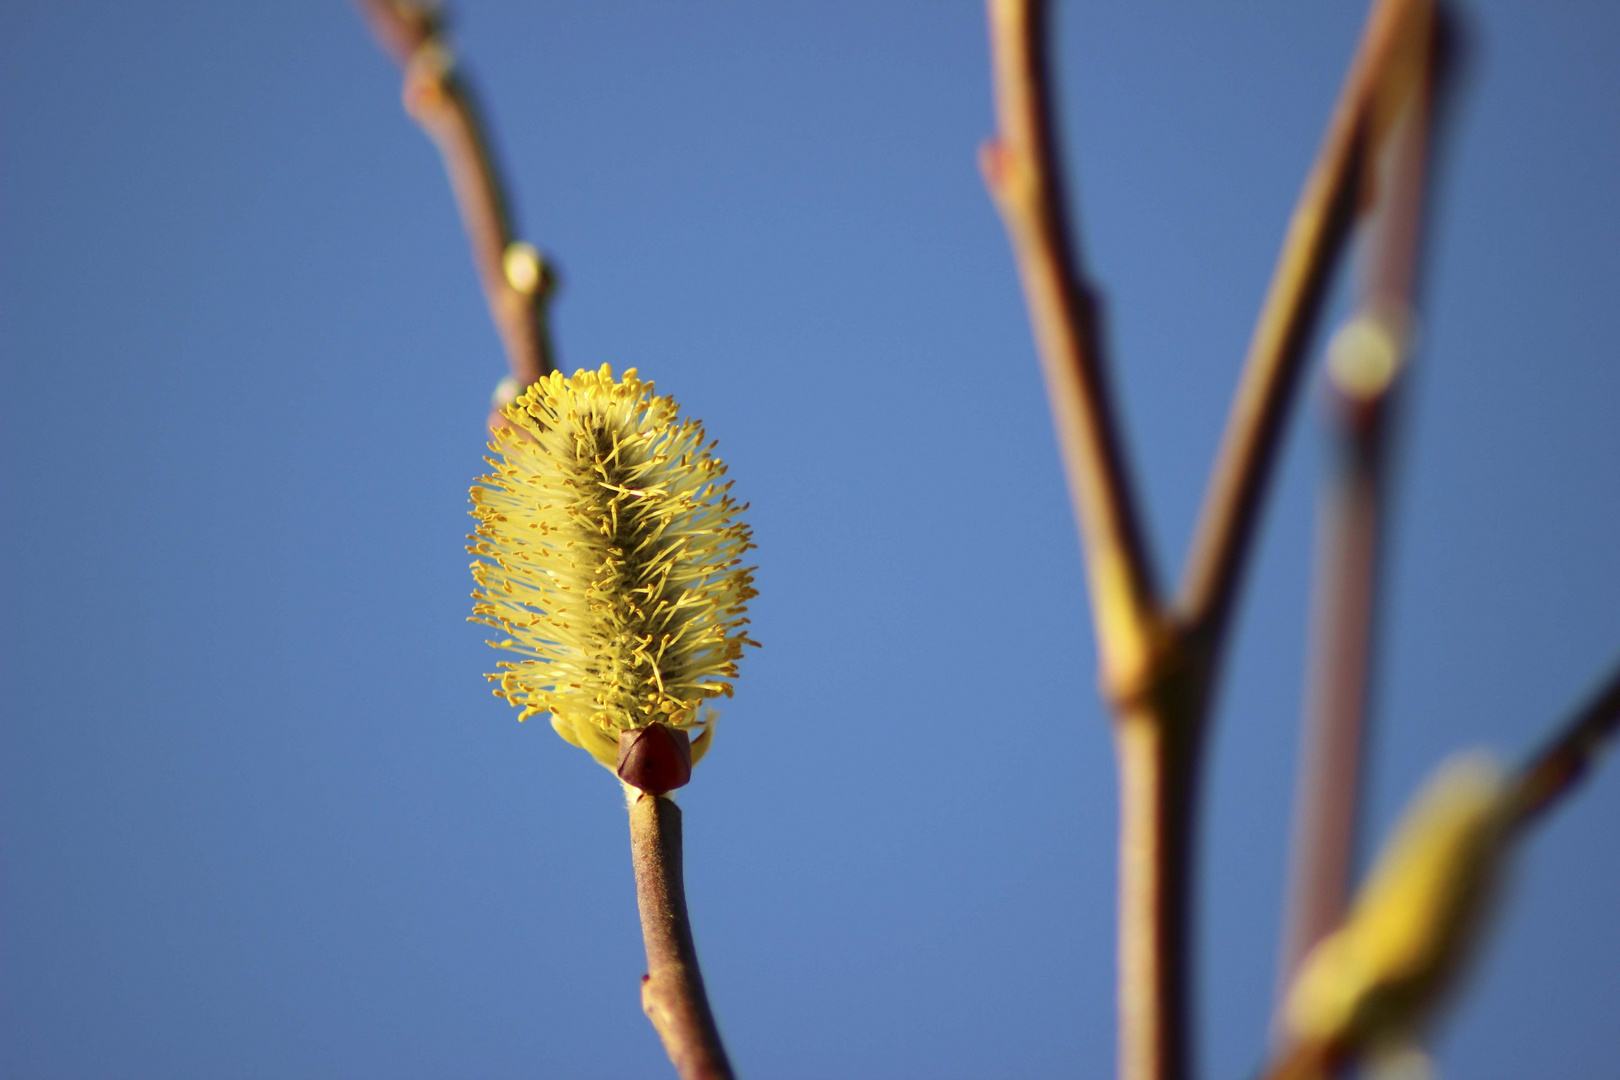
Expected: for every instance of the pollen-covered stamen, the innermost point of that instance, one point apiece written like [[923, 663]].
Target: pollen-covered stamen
[[610, 554]]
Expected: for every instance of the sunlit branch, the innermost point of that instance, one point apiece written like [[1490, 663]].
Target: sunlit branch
[[1022, 171], [515, 279], [672, 992], [1223, 540]]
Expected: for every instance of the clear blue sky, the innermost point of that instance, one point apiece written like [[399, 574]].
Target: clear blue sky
[[259, 815]]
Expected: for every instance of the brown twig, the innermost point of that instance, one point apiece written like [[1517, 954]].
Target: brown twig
[[1138, 660], [1365, 363], [516, 281], [672, 990], [1328, 787], [1158, 792], [1021, 170], [1558, 767], [1321, 221]]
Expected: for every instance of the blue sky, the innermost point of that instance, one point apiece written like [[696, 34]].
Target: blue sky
[[259, 815]]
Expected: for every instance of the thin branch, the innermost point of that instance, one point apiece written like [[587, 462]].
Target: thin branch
[[1140, 662], [1328, 789], [1223, 540], [1558, 768], [1022, 171], [1366, 360], [672, 990], [1158, 792], [516, 281]]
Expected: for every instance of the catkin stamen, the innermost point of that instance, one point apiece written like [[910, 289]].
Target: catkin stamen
[[610, 554]]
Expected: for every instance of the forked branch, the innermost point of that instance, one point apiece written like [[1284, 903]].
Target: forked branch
[[1156, 669]]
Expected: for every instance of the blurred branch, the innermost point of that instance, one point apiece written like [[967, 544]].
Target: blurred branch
[[1158, 765], [1158, 674], [1365, 363], [1302, 1063], [1328, 786], [1558, 768], [1223, 539], [1022, 171], [672, 990], [516, 281]]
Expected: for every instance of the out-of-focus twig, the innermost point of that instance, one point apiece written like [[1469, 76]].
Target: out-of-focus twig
[[1555, 770], [1158, 764], [1365, 362], [1321, 221], [672, 990], [1303, 1063], [1022, 171], [1329, 774], [516, 281]]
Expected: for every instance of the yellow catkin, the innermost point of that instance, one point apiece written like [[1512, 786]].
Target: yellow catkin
[[610, 554], [1376, 978]]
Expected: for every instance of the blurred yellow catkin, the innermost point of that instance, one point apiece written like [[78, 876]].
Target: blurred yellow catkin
[[1374, 980]]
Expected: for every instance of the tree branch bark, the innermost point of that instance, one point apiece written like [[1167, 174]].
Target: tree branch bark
[[1022, 171], [1321, 222], [1559, 766], [516, 281], [1158, 793], [672, 990]]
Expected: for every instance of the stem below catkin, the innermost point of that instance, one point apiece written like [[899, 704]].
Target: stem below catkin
[[672, 990]]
